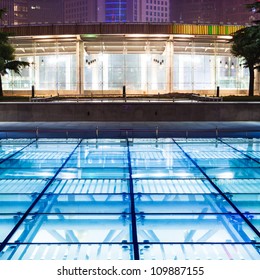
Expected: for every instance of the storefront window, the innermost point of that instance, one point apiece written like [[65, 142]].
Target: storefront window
[[144, 67]]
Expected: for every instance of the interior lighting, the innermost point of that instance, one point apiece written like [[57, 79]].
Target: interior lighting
[[89, 62], [158, 61]]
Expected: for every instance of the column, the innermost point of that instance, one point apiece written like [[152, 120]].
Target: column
[[169, 65], [80, 66]]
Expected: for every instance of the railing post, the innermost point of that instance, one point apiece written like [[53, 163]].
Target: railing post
[[124, 93], [33, 92], [217, 91], [97, 132]]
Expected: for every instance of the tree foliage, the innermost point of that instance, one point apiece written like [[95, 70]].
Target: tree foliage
[[7, 56], [2, 12], [246, 45]]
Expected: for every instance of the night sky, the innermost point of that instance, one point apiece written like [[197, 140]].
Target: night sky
[[78, 11]]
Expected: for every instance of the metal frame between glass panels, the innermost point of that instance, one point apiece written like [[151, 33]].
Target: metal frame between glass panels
[[137, 199]]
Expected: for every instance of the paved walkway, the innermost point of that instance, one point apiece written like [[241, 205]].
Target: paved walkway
[[130, 129]]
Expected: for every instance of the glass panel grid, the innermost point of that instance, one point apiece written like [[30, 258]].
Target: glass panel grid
[[138, 199]]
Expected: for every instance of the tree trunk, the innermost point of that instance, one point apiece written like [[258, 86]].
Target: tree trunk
[[1, 87], [251, 80]]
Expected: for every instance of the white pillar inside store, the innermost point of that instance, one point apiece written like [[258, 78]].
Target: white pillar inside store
[[80, 66], [169, 66]]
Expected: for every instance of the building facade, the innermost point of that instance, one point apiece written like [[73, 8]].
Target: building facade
[[134, 11], [99, 59], [45, 11], [210, 11], [22, 12], [196, 11], [16, 12], [80, 11], [151, 11]]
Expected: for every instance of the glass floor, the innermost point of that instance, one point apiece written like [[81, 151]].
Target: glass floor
[[147, 199]]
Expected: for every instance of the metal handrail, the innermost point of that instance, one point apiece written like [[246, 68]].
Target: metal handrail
[[99, 132]]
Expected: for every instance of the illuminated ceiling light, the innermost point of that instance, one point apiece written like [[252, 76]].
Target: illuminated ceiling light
[[225, 37]]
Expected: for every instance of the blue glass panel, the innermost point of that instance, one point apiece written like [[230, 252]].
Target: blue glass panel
[[97, 162], [198, 252], [172, 186], [197, 146], [230, 173], [167, 161], [31, 163], [160, 172], [19, 186], [10, 203], [255, 220], [59, 228], [193, 228], [86, 186], [182, 203], [7, 223], [75, 204], [28, 173], [228, 163], [247, 203], [8, 148], [87, 173], [238, 185], [245, 145], [67, 252]]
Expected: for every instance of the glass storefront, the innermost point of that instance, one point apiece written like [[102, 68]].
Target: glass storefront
[[147, 66]]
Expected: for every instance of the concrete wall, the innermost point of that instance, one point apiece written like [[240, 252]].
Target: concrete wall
[[127, 111]]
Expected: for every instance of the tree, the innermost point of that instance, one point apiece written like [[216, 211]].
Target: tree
[[246, 45], [7, 57]]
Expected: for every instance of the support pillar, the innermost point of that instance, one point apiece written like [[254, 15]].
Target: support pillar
[[80, 66], [169, 65]]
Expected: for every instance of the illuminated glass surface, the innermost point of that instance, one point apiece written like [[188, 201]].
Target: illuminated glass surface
[[180, 199]]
